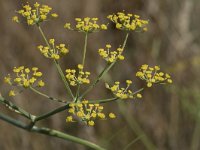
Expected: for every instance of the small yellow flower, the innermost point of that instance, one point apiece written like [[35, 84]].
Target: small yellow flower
[[12, 93], [80, 66], [91, 123], [41, 83], [128, 82], [139, 95], [112, 115], [69, 119], [7, 79], [15, 19], [54, 15]]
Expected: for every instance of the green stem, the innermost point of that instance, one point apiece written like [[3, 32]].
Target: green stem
[[138, 91], [12, 121], [16, 109], [95, 82], [104, 100], [85, 49], [114, 98], [125, 40], [44, 37], [51, 113], [77, 93], [105, 70], [46, 96], [50, 132], [64, 79], [67, 137], [57, 65], [83, 63]]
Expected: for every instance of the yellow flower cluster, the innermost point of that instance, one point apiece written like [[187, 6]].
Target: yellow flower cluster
[[128, 22], [53, 51], [24, 77], [123, 93], [35, 14], [81, 78], [152, 75], [87, 25], [111, 56], [87, 112]]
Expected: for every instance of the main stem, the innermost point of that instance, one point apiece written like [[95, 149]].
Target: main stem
[[16, 109], [106, 69], [50, 132]]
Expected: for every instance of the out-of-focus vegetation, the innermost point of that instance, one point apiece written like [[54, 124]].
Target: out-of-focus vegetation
[[167, 117]]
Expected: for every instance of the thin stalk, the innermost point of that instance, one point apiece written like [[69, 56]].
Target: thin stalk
[[104, 100], [95, 82], [50, 132], [16, 109], [77, 93], [138, 91], [44, 37], [83, 63], [114, 98], [64, 79], [85, 49], [125, 40], [51, 113], [105, 70], [46, 96], [57, 65]]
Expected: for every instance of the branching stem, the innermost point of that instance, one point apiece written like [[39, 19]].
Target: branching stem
[[104, 71], [57, 65]]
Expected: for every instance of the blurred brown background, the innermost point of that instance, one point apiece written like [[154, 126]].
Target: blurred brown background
[[167, 118]]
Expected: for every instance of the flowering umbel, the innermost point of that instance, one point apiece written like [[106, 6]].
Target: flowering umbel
[[111, 56], [87, 25], [128, 22], [87, 112], [53, 51], [77, 77], [152, 75], [123, 93], [35, 14], [24, 77]]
